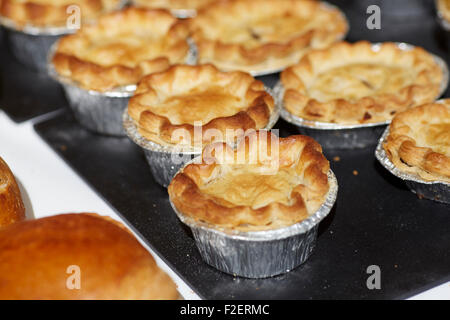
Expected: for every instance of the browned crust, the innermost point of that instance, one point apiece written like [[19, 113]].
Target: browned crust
[[425, 88], [35, 255], [411, 155], [300, 151], [93, 76], [443, 7], [255, 115], [12, 208], [173, 4], [54, 13], [232, 56]]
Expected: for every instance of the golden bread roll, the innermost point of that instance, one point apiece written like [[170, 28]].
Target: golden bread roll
[[78, 256], [11, 204]]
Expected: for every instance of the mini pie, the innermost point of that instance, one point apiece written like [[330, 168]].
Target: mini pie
[[173, 4], [53, 13], [443, 7], [355, 83], [257, 192], [170, 106], [121, 48], [261, 35], [419, 141]]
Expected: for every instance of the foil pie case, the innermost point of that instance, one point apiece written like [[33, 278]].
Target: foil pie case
[[100, 112], [165, 161], [338, 136], [259, 254], [434, 190], [29, 44]]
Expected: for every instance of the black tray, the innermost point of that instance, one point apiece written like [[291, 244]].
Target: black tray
[[24, 93], [376, 220]]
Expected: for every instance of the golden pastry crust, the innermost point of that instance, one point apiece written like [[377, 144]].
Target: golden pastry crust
[[353, 83], [261, 35], [12, 208], [121, 48], [256, 192], [53, 13], [170, 106], [173, 4], [443, 7], [419, 141], [113, 264]]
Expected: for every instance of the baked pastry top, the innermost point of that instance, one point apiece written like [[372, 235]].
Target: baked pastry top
[[173, 4], [443, 7], [121, 48], [419, 141], [112, 263], [12, 208], [360, 83], [169, 107], [265, 183], [261, 35], [53, 13]]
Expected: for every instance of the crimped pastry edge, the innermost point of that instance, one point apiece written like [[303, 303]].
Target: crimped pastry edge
[[320, 124], [247, 57], [133, 128], [258, 231], [92, 70], [51, 28]]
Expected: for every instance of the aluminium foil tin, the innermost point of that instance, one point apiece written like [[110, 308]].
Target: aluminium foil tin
[[260, 254], [354, 136], [434, 190], [166, 161]]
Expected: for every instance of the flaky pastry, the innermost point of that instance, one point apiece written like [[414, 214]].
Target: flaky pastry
[[53, 13], [443, 7], [121, 48], [261, 35], [170, 106], [251, 189], [419, 141], [360, 83], [12, 208]]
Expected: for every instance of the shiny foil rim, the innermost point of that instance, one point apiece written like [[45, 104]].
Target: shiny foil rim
[[382, 157], [259, 73], [118, 92], [268, 235], [131, 130], [320, 125]]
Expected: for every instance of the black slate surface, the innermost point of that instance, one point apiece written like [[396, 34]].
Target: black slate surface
[[376, 220], [24, 93]]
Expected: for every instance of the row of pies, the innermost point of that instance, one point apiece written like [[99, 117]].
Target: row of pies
[[326, 81]]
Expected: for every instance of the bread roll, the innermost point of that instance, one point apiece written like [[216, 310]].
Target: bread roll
[[11, 204], [49, 258]]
